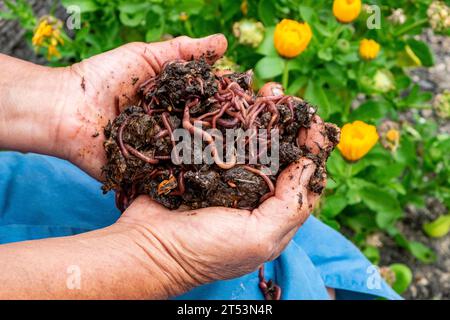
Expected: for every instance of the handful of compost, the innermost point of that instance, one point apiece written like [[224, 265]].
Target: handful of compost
[[199, 138]]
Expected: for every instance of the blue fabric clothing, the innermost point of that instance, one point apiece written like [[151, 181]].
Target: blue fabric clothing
[[42, 196]]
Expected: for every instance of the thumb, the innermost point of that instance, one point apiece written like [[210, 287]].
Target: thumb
[[289, 208], [144, 208], [211, 48]]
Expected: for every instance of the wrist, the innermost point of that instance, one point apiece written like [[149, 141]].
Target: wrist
[[149, 259], [31, 105]]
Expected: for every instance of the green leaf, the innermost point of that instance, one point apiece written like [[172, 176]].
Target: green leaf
[[385, 205], [325, 54], [84, 5], [269, 67], [371, 111], [403, 277], [266, 48], [296, 85], [421, 252], [316, 95], [307, 13], [422, 51], [191, 7], [336, 165], [372, 253], [438, 228], [334, 204], [267, 12], [330, 222], [133, 14]]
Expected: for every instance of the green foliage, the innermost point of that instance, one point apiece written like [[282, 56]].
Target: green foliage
[[367, 196], [403, 277]]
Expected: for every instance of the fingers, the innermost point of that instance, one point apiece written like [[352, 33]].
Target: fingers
[[211, 48], [290, 206], [314, 138]]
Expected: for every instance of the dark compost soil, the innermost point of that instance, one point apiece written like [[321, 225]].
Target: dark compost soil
[[140, 140]]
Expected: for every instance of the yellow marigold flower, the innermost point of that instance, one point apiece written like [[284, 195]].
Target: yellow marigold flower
[[48, 35], [357, 139], [368, 49], [346, 10], [291, 37]]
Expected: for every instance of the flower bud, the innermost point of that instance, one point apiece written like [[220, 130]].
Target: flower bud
[[249, 32], [439, 16], [397, 16], [389, 132], [343, 45], [368, 49], [383, 81], [441, 105]]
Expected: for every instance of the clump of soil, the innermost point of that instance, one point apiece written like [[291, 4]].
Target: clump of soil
[[140, 140]]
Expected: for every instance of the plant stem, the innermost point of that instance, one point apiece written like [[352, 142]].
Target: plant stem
[[285, 79], [349, 172], [188, 27], [410, 27]]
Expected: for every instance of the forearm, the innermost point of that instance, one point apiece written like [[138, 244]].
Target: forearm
[[30, 105], [103, 264]]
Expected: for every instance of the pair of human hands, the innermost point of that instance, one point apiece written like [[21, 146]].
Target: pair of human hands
[[196, 246]]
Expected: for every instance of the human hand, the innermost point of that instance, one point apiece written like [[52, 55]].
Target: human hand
[[108, 82], [195, 247]]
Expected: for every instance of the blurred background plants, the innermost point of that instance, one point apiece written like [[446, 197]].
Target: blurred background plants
[[325, 52]]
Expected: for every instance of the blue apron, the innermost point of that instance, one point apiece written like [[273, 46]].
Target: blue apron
[[32, 206]]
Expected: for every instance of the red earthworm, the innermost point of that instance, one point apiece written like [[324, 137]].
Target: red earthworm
[[221, 112], [146, 82], [203, 123], [209, 139], [120, 138], [209, 114], [162, 157], [161, 134], [235, 115], [200, 82], [265, 178], [228, 123], [140, 155], [255, 114], [269, 289], [152, 111], [154, 173], [181, 187], [275, 115], [240, 106], [166, 122], [221, 98]]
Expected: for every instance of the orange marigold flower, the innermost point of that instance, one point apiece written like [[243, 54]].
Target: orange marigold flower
[[346, 10], [368, 49], [357, 139], [291, 37]]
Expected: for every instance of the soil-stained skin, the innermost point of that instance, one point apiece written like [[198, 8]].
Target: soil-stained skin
[[140, 140]]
